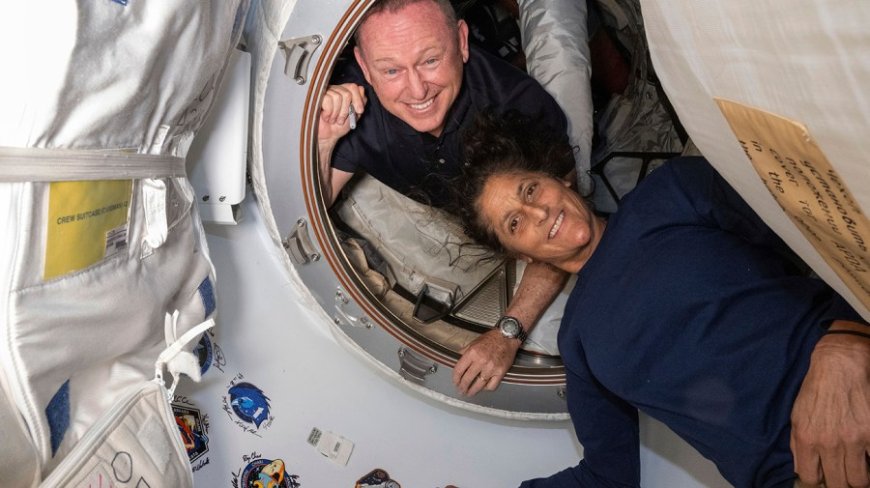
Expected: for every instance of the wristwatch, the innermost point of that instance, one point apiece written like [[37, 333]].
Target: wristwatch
[[511, 328]]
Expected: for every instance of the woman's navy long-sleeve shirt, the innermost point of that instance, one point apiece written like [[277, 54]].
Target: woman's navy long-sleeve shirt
[[693, 311]]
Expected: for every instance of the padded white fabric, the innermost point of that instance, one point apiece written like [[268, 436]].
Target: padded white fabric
[[18, 462], [101, 75], [100, 328], [135, 444], [806, 61], [111, 76], [543, 337], [417, 241], [555, 42]]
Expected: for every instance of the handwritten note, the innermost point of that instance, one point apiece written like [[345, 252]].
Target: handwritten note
[[808, 189]]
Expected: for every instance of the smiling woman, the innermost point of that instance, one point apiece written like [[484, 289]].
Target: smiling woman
[[538, 217], [513, 199], [717, 338]]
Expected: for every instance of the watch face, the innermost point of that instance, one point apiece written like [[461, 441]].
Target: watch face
[[510, 327]]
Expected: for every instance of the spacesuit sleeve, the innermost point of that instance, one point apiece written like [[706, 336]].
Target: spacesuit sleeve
[[607, 428]]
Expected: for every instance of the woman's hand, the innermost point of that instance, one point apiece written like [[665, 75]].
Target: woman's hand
[[484, 362], [830, 436]]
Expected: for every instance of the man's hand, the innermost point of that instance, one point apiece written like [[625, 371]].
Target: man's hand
[[335, 109], [484, 362], [830, 436], [334, 124]]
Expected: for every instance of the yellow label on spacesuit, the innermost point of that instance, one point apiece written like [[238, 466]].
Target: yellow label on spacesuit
[[87, 222], [808, 189]]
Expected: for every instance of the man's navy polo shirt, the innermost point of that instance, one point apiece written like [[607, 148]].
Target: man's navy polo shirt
[[420, 165]]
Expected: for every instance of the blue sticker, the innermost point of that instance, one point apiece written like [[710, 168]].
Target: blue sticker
[[57, 413], [206, 292], [249, 403], [121, 2], [247, 406]]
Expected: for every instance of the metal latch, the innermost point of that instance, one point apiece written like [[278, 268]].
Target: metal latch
[[413, 367], [297, 54], [298, 245]]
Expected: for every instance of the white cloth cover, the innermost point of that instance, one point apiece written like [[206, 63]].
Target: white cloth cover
[[101, 75], [135, 444], [806, 61], [555, 42], [421, 244], [18, 465], [544, 337]]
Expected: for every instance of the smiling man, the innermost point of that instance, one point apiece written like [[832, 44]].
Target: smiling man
[[415, 85], [419, 82]]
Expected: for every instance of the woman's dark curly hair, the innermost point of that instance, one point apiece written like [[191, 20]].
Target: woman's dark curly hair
[[504, 143]]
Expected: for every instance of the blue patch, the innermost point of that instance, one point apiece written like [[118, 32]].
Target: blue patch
[[57, 413], [206, 292], [204, 353], [121, 2], [249, 403]]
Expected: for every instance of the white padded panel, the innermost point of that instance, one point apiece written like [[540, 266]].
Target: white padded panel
[[803, 60]]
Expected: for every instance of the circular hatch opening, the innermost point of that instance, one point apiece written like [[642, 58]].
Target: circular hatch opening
[[409, 266], [400, 280]]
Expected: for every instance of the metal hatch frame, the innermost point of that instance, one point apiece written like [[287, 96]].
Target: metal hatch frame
[[282, 164]]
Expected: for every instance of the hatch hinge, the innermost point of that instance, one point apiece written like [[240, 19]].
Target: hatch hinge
[[298, 245], [413, 367], [297, 54]]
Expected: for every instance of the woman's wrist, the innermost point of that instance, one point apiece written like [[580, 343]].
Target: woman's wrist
[[845, 335], [847, 327]]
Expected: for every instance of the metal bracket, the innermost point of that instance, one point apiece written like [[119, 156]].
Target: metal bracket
[[342, 316], [432, 303], [413, 367], [298, 244], [297, 55]]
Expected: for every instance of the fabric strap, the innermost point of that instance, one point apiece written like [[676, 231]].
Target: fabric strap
[[19, 164], [174, 350]]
